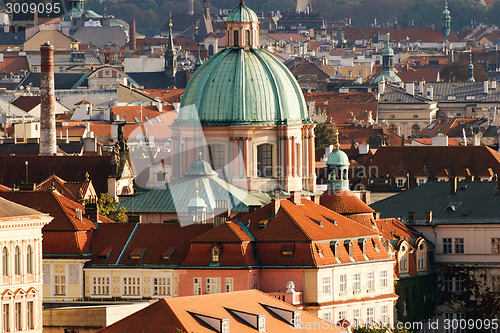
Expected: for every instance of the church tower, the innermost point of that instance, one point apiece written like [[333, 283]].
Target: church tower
[[388, 74], [446, 18], [470, 78], [170, 55]]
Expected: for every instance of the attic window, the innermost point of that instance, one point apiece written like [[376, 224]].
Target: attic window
[[262, 224], [470, 98], [167, 255], [375, 246], [137, 120], [287, 250], [317, 222], [334, 222], [138, 253], [105, 253], [320, 252], [451, 98], [215, 253]]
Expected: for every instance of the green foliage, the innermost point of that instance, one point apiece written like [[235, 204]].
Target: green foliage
[[459, 72], [419, 296], [324, 136], [107, 208]]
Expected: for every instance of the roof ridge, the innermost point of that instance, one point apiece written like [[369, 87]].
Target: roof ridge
[[63, 207]]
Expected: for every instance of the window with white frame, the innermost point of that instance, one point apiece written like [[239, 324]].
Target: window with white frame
[[421, 260], [213, 285], [30, 315], [326, 285], [59, 284], [403, 261], [342, 315], [459, 283], [132, 286], [18, 324], [197, 286], [356, 282], [495, 283], [459, 245], [370, 280], [421, 181], [447, 245], [162, 286], [370, 315], [100, 286], [342, 284], [5, 261], [383, 278], [400, 182], [229, 285], [356, 315], [447, 283], [17, 261], [327, 316], [383, 314]]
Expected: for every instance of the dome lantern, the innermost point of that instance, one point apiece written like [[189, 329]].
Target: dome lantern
[[242, 28]]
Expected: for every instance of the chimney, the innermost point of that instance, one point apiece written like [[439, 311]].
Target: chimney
[[410, 88], [366, 196], [486, 86], [493, 85], [48, 102], [295, 197], [381, 87], [92, 210], [421, 87], [411, 216], [376, 215], [276, 202], [132, 36], [454, 184], [78, 214], [191, 7], [429, 216]]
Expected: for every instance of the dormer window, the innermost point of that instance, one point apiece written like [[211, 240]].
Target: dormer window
[[403, 260], [287, 250], [215, 253]]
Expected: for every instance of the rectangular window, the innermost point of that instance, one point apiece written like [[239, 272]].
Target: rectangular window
[[370, 279], [18, 322], [495, 283], [100, 285], [356, 314], [495, 245], [342, 284], [459, 283], [383, 279], [59, 284], [162, 286], [197, 286], [447, 282], [370, 315], [400, 182], [326, 285], [327, 316], [30, 315], [342, 315], [447, 245], [356, 282], [6, 318], [229, 285], [383, 314], [459, 245], [213, 285], [421, 261], [421, 181], [131, 286]]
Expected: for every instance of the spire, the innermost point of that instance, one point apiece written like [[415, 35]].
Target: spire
[[170, 54], [470, 78], [446, 19]]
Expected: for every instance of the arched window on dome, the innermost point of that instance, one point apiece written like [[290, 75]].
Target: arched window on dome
[[247, 38], [344, 174], [415, 129], [236, 38], [217, 154], [210, 50], [265, 160]]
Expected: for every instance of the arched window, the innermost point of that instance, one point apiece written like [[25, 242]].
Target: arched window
[[297, 159], [393, 128], [265, 160], [236, 39], [215, 254], [403, 260], [5, 261], [29, 260], [247, 38], [217, 156], [415, 129], [17, 261], [210, 50]]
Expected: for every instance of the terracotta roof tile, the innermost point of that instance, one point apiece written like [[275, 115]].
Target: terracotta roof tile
[[344, 202]]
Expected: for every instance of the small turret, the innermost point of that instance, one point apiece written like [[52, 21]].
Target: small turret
[[470, 78], [446, 18]]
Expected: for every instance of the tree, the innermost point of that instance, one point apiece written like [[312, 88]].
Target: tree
[[324, 136], [459, 72], [107, 208]]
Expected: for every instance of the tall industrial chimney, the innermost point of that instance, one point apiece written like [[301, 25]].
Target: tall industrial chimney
[[191, 7], [48, 100], [132, 41]]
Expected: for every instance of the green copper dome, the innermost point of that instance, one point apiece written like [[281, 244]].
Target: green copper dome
[[243, 87], [242, 14], [338, 158]]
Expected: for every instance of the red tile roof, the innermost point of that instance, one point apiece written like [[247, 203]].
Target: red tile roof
[[451, 127], [344, 202], [169, 314], [168, 96], [13, 64]]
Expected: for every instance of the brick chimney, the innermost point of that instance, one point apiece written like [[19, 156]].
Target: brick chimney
[[132, 36], [48, 102], [92, 210], [295, 197]]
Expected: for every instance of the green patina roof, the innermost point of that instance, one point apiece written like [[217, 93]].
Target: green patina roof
[[242, 14], [238, 87], [200, 168], [177, 195], [473, 203], [337, 157]]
